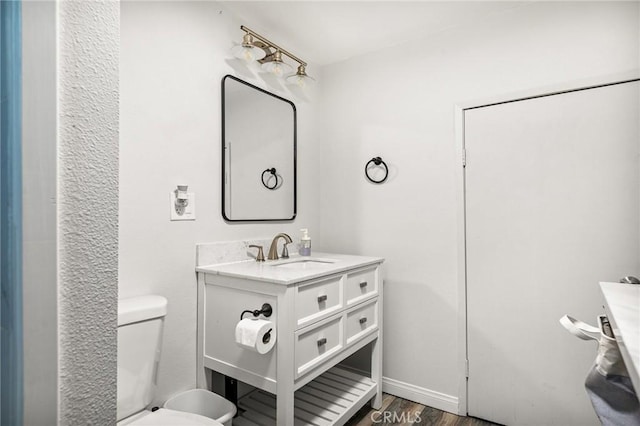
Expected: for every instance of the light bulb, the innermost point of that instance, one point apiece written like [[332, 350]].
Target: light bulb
[[299, 81], [247, 51], [277, 70], [300, 78], [276, 66], [302, 81]]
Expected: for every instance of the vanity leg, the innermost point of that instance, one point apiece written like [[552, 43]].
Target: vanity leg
[[285, 361], [203, 376], [376, 355], [376, 372], [284, 408]]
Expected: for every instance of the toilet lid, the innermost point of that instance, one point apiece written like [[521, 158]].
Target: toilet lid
[[166, 417]]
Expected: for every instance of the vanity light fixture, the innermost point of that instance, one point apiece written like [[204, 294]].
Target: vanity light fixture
[[252, 47]]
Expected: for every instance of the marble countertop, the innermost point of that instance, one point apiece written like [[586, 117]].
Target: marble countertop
[[623, 309], [292, 270]]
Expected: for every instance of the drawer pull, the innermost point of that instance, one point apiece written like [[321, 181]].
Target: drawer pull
[[322, 342], [363, 284], [322, 298], [363, 320]]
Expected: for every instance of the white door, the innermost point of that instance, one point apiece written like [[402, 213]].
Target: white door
[[552, 204]]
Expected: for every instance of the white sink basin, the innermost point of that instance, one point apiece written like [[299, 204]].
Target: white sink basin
[[303, 263]]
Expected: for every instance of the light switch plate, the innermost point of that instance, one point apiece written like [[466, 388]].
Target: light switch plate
[[189, 211]]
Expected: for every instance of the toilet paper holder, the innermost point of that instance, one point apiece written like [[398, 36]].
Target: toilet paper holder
[[266, 310]]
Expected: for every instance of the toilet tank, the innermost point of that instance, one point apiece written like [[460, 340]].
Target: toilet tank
[[140, 321]]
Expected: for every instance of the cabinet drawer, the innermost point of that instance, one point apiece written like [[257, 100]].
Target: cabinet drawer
[[315, 345], [318, 300], [361, 320], [361, 285]]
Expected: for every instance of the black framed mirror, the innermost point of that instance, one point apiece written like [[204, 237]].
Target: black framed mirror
[[258, 154]]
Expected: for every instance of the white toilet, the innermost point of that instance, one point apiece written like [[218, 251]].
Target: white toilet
[[140, 321]]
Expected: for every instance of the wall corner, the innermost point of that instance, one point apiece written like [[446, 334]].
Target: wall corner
[[88, 136]]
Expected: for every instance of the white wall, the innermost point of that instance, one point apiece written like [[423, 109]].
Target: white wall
[[399, 104], [40, 290], [88, 50], [173, 58]]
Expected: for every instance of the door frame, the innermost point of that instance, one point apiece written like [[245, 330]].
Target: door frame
[[460, 185]]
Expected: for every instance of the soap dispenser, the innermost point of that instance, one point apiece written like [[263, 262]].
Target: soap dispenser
[[305, 243]]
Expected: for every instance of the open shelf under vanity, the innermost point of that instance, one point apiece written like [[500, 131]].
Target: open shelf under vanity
[[330, 399]]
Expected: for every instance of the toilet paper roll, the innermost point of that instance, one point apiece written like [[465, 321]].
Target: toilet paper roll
[[255, 334]]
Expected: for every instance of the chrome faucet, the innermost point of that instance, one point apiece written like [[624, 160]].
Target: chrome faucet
[[273, 250]]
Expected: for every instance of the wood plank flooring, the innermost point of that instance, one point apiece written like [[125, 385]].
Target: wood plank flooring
[[398, 411]]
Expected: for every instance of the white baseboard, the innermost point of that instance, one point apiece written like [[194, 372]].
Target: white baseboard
[[420, 395], [414, 393]]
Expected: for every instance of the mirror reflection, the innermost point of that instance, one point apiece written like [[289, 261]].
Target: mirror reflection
[[259, 153]]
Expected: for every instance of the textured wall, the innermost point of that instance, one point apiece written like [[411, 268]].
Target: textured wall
[[88, 43]]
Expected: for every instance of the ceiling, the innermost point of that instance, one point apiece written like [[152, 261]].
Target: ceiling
[[324, 32]]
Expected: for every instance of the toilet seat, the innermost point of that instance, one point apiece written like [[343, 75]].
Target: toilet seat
[[166, 417]]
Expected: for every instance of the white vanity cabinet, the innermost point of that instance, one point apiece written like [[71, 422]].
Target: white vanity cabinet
[[322, 314]]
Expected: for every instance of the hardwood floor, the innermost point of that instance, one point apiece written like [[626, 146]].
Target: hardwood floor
[[398, 411]]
